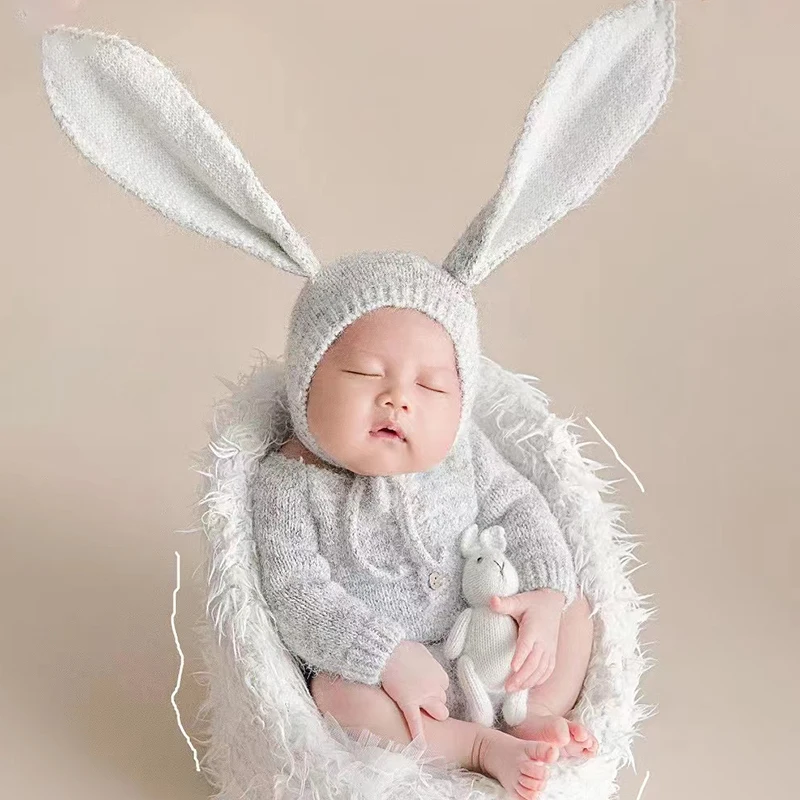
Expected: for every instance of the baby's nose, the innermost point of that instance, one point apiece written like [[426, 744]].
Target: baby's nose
[[396, 398]]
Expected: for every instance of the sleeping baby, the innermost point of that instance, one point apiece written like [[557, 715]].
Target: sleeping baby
[[359, 515]]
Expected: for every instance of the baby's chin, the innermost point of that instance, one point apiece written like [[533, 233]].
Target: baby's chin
[[380, 456], [382, 464]]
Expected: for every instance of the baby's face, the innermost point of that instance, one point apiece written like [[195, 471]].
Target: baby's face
[[393, 365]]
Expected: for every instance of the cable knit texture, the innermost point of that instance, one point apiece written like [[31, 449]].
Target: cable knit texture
[[353, 564]]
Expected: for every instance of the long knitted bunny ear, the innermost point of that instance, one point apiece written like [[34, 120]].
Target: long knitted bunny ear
[[603, 93], [131, 117]]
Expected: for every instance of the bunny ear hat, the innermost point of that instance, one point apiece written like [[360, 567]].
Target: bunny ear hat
[[128, 114], [132, 117]]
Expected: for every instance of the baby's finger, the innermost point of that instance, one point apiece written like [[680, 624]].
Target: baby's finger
[[414, 721], [527, 669], [436, 708], [525, 642], [541, 673]]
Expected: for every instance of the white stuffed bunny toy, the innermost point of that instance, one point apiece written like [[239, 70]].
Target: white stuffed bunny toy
[[484, 640]]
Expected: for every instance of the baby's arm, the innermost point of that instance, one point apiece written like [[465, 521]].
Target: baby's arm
[[536, 545], [316, 618]]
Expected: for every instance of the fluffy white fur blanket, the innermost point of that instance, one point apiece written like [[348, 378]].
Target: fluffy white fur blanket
[[265, 737]]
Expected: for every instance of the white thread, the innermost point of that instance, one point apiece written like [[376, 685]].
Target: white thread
[[180, 669], [616, 454], [644, 783]]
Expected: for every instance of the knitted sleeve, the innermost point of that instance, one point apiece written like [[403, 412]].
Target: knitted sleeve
[[536, 545], [316, 618]]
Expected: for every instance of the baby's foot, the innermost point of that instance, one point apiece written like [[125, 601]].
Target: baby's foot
[[572, 738], [582, 744], [519, 765]]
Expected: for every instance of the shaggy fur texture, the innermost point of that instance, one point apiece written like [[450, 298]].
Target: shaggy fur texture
[[265, 737]]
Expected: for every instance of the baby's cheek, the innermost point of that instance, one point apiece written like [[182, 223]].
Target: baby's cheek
[[442, 426], [353, 415], [343, 401], [330, 412]]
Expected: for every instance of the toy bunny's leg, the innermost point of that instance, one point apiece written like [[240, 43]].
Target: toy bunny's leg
[[515, 707], [479, 705]]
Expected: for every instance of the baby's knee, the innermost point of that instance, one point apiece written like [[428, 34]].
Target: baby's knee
[[353, 705], [579, 612]]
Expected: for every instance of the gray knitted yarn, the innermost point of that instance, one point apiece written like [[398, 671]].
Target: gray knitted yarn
[[359, 283]]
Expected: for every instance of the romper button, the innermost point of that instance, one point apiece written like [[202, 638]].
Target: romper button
[[435, 580]]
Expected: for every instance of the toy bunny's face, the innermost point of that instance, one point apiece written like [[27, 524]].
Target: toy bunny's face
[[392, 368], [487, 570]]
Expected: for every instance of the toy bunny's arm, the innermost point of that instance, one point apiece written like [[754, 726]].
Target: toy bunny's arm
[[535, 543], [133, 119], [457, 637]]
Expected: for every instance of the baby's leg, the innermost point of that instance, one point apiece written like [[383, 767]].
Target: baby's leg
[[549, 701], [519, 765]]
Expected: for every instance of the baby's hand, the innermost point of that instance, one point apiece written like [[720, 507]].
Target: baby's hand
[[415, 680], [538, 614]]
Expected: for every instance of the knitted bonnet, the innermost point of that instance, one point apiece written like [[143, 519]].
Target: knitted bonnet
[[132, 117], [357, 284]]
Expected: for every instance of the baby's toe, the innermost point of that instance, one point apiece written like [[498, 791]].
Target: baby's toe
[[578, 732], [532, 783], [533, 769], [582, 743], [541, 751], [588, 746]]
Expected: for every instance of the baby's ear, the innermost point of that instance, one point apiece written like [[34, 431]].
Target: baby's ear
[[133, 119], [603, 93], [494, 537], [469, 540]]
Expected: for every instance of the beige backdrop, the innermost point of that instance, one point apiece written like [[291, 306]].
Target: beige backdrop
[[665, 310]]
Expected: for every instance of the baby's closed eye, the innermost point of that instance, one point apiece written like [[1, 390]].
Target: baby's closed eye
[[429, 383], [431, 388]]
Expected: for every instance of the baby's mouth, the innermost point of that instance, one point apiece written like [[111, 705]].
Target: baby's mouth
[[387, 433]]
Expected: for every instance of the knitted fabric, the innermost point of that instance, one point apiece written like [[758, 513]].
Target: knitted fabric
[[352, 564], [357, 284]]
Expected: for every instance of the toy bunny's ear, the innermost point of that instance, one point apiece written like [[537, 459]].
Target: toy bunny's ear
[[603, 93], [131, 117], [469, 540], [495, 537]]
